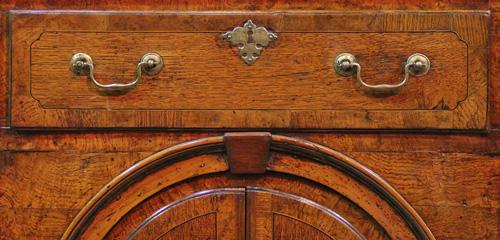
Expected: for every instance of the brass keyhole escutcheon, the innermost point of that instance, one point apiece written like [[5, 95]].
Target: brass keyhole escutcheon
[[250, 40]]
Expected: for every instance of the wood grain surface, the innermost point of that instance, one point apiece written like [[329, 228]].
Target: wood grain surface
[[124, 204], [228, 5], [226, 93], [450, 178], [359, 218], [204, 73], [247, 152], [433, 172], [219, 212], [294, 157], [281, 215]]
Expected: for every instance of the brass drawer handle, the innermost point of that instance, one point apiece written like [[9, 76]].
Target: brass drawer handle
[[81, 64], [417, 65]]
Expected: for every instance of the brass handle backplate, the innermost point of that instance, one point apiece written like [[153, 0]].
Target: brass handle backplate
[[416, 65], [81, 64]]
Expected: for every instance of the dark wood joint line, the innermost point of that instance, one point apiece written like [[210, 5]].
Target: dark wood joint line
[[247, 153]]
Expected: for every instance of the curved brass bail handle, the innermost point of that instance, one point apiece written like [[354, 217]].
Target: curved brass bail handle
[[81, 64], [416, 65]]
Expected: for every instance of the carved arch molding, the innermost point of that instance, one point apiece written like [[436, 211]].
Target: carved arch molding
[[247, 155]]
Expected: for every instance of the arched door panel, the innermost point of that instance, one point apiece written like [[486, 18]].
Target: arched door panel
[[210, 214], [281, 215], [312, 173], [256, 207], [202, 227]]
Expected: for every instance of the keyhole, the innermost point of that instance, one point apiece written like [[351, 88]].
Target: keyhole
[[250, 36]]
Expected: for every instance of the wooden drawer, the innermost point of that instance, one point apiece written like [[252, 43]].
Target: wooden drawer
[[206, 84]]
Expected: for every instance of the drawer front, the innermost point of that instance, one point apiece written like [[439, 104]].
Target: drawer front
[[205, 82]]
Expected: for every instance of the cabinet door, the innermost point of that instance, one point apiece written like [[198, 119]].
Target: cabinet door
[[226, 206], [305, 191], [211, 214], [280, 215]]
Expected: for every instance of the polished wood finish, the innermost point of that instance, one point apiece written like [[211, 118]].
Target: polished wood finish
[[258, 184], [247, 152], [495, 70], [219, 214], [4, 66], [431, 171], [219, 91], [450, 178], [309, 78], [279, 215], [345, 175], [231, 5]]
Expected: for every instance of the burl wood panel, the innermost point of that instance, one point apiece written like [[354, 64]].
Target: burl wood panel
[[292, 85]]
